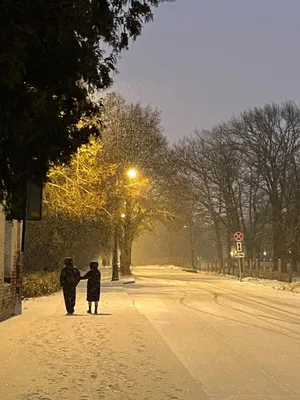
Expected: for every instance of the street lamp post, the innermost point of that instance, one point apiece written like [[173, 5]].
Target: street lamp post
[[115, 267], [131, 174], [192, 243], [114, 262]]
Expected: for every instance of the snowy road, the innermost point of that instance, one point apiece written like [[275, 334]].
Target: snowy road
[[172, 335]]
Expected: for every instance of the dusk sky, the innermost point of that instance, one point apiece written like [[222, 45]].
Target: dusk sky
[[201, 61]]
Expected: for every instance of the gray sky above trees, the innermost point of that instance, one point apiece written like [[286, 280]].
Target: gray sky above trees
[[203, 60]]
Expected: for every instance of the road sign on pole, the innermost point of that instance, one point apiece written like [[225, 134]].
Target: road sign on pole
[[238, 236], [239, 247], [239, 255]]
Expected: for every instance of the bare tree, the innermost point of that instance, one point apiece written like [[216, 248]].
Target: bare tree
[[194, 160], [269, 138]]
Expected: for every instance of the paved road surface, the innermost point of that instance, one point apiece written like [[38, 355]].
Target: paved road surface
[[239, 340], [171, 335]]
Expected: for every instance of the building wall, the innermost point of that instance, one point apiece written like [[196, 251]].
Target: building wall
[[10, 267]]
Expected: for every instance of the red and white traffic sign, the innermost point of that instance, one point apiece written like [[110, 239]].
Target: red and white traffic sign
[[238, 236]]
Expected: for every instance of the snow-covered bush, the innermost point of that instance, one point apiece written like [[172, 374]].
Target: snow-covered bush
[[40, 284]]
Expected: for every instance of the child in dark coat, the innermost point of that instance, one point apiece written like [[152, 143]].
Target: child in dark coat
[[93, 286]]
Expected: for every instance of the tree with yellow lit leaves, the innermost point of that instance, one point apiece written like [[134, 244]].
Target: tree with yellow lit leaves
[[96, 184], [80, 188]]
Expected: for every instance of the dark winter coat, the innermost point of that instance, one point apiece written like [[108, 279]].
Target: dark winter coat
[[69, 277], [93, 284]]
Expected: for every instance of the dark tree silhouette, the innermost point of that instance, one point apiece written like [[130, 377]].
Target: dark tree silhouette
[[54, 54]]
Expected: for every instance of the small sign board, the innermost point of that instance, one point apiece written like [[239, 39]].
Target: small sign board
[[34, 201], [239, 255], [238, 236], [239, 247]]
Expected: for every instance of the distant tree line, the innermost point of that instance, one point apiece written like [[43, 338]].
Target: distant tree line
[[244, 175]]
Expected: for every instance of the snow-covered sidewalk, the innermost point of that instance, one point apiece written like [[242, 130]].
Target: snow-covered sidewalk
[[116, 355]]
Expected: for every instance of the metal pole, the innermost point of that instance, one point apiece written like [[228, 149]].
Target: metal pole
[[240, 269], [115, 261], [192, 244], [115, 268]]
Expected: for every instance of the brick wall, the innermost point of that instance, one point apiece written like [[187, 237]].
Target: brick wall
[[10, 283]]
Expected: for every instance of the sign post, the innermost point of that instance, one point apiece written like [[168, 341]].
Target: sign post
[[238, 237]]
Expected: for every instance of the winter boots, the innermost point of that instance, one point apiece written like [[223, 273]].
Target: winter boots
[[89, 311]]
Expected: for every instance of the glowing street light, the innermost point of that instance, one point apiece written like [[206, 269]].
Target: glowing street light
[[123, 215], [132, 173]]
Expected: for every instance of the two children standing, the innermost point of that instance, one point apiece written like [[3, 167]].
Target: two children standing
[[69, 279]]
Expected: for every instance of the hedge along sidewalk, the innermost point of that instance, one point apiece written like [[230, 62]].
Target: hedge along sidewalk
[[37, 284]]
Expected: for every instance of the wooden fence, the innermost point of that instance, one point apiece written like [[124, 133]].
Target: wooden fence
[[252, 268]]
